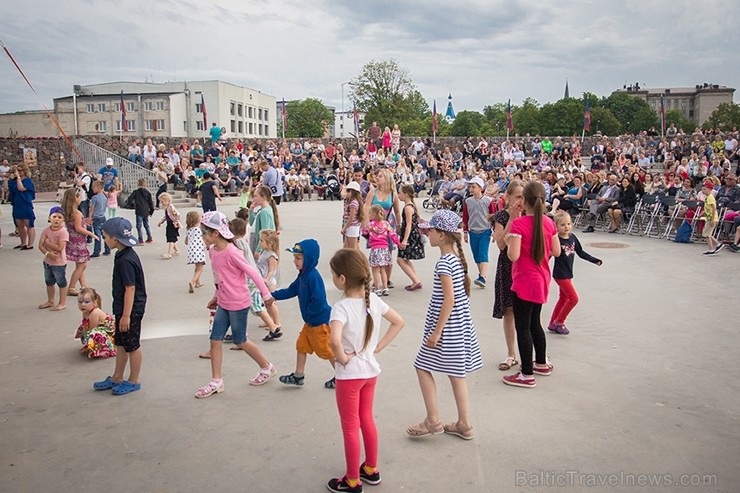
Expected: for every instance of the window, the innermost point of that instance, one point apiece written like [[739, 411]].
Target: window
[[232, 108], [130, 107], [241, 127], [198, 108], [101, 107], [239, 109], [91, 108], [131, 124], [148, 106], [185, 125], [160, 105], [259, 129], [101, 126], [251, 128], [116, 107], [154, 125], [251, 112], [266, 115], [199, 125], [259, 112], [233, 126]]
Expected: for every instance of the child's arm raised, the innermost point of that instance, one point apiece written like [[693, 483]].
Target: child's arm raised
[[448, 291], [397, 323]]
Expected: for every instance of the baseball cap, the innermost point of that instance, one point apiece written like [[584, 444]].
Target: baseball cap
[[297, 249], [109, 161], [120, 229], [477, 180], [216, 220], [353, 185], [56, 210]]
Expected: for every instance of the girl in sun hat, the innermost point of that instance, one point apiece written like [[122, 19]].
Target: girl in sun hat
[[231, 301], [450, 344]]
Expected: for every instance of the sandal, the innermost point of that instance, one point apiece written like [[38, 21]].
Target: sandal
[[264, 375], [209, 390], [458, 431], [413, 287], [126, 387], [72, 292], [425, 428], [507, 363], [331, 384], [166, 256], [272, 335]]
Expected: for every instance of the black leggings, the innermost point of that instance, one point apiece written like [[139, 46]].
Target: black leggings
[[528, 332]]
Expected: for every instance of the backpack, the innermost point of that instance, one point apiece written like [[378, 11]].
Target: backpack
[[84, 187], [683, 235]]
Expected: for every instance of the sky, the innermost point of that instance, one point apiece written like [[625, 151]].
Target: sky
[[480, 51]]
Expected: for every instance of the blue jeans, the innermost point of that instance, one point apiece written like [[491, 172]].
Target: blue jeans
[[143, 220], [236, 319], [136, 158], [97, 226]]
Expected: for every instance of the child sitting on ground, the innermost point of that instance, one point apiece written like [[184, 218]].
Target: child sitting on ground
[[97, 329], [311, 293]]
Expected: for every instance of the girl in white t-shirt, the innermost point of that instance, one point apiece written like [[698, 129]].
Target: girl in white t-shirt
[[355, 326]]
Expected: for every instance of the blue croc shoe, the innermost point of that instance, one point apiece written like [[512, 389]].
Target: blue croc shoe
[[126, 387], [106, 384]]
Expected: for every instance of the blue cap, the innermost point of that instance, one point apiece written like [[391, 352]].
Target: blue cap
[[120, 229], [56, 210]]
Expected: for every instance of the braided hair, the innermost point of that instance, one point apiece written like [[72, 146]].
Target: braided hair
[[456, 240]]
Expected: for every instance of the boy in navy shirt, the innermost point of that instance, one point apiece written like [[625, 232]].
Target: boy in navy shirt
[[129, 303]]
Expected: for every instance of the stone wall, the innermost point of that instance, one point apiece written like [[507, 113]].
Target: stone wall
[[52, 156]]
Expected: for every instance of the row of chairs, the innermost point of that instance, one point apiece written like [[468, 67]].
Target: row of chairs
[[659, 216]]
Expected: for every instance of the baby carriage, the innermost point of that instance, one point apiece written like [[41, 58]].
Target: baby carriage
[[333, 188], [433, 202]]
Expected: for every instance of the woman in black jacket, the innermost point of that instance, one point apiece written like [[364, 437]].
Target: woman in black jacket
[[624, 204]]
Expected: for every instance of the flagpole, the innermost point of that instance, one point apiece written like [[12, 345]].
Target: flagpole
[[583, 134]]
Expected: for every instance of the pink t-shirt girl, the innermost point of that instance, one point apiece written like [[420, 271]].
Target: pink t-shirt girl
[[231, 269], [530, 281]]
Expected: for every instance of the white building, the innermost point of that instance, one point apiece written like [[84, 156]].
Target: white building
[[170, 109], [344, 124]]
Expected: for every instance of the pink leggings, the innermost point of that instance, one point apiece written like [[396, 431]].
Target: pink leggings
[[355, 404], [566, 302]]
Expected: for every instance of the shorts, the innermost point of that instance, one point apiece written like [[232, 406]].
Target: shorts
[[479, 244], [129, 340], [236, 319], [314, 340], [55, 274], [708, 230], [352, 231]]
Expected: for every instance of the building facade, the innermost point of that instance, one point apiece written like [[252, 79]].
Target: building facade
[[170, 109], [695, 103], [344, 124]]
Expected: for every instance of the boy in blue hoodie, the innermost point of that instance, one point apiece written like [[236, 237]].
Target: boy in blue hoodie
[[315, 311]]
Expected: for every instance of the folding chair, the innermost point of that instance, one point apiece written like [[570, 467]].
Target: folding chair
[[643, 212]]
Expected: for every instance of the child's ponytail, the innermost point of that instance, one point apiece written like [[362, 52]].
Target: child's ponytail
[[534, 196], [461, 254]]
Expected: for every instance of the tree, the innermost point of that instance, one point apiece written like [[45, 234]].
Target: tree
[[604, 121], [468, 123], [677, 118], [564, 117], [725, 117], [307, 118], [386, 94], [526, 117], [633, 113], [496, 116]]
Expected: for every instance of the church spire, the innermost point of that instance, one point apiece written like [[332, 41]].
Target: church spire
[[567, 92]]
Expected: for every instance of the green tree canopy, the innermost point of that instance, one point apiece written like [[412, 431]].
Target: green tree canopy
[[676, 117], [306, 118], [604, 121], [725, 117], [634, 114]]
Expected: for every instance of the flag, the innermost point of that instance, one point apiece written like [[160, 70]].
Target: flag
[[662, 115], [587, 118], [509, 122], [357, 120], [434, 118], [124, 125], [203, 110]]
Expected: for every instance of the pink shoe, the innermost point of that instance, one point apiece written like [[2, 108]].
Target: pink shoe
[[264, 375], [515, 381]]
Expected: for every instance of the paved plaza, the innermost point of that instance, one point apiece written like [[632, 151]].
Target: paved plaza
[[644, 384]]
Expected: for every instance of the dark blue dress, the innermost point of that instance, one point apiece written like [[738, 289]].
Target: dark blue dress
[[22, 201]]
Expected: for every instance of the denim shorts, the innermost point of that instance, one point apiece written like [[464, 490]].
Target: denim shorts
[[479, 244], [236, 319], [55, 274]]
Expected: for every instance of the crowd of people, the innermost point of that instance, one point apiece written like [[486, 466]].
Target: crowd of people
[[521, 195]]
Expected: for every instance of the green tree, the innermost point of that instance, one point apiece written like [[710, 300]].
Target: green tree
[[306, 118], [633, 113], [725, 117], [604, 121], [564, 117], [496, 116], [676, 117], [386, 94], [468, 123], [525, 118]]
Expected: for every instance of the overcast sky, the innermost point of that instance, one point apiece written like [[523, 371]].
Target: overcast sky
[[482, 51]]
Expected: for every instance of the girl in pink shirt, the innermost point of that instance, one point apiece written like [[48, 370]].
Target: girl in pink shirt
[[231, 301], [531, 242], [380, 234]]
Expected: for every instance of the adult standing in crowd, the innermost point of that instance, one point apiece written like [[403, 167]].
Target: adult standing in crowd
[[373, 133], [22, 193], [384, 194], [215, 133], [271, 178], [395, 139], [108, 174]]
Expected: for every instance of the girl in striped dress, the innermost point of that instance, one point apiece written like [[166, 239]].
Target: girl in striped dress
[[450, 344]]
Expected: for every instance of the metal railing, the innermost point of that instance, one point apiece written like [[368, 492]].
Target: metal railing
[[128, 173]]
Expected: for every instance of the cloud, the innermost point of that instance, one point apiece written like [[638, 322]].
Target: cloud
[[483, 51]]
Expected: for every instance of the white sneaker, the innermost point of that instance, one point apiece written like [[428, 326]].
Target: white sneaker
[[385, 292]]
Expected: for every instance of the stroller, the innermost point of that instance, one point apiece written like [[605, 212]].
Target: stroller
[[433, 202], [333, 188]]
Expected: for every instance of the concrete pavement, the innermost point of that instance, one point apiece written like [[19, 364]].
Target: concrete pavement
[[644, 384]]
